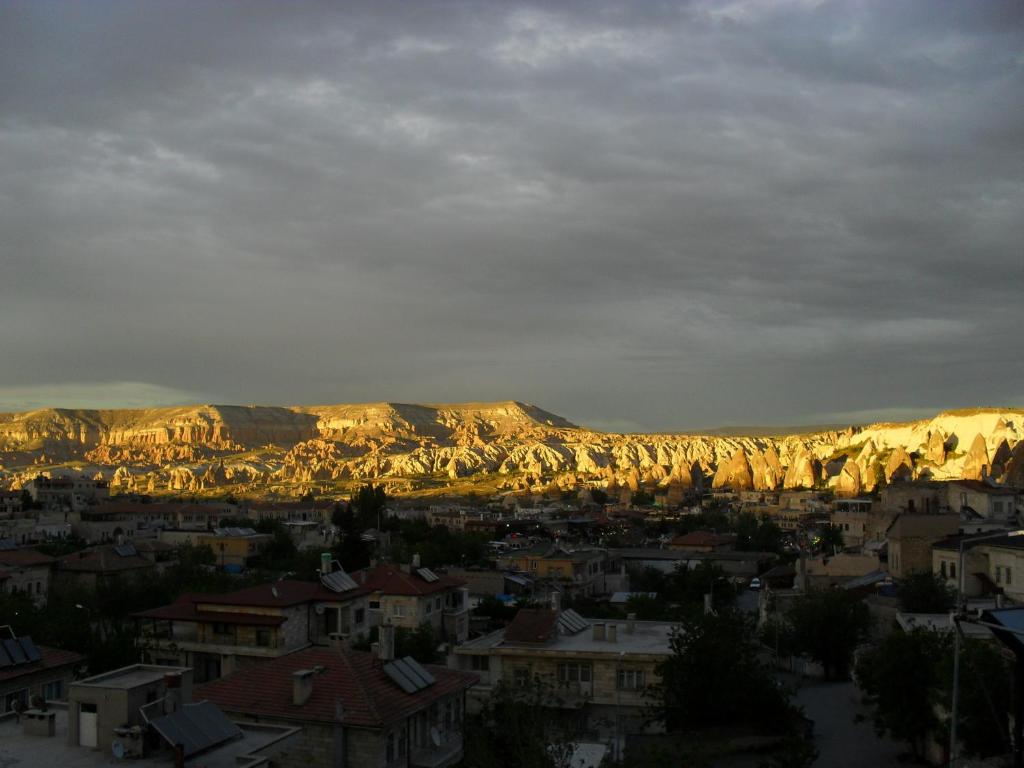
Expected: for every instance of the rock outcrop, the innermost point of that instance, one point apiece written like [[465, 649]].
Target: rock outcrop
[[507, 446]]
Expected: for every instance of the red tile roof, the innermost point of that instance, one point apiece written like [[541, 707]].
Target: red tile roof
[[288, 592], [532, 625], [702, 539], [52, 659], [185, 609], [392, 580], [102, 560], [24, 558], [356, 680]]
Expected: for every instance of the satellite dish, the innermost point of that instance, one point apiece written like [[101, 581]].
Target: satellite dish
[[320, 609], [118, 749], [435, 736]]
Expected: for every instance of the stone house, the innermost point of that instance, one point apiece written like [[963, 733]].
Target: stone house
[[98, 567], [27, 671], [355, 710], [574, 571], [409, 595], [596, 669], [983, 500], [26, 571], [217, 634], [991, 567], [910, 539]]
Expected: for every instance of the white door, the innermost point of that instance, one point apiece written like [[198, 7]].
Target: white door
[[87, 728]]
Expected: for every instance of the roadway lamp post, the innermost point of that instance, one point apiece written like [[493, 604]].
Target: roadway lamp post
[[958, 616]]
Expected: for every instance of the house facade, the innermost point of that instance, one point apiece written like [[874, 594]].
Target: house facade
[[218, 634], [409, 595], [598, 669], [354, 710]]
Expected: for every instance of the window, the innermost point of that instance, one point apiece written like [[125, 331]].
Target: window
[[375, 605], [437, 603], [952, 570], [221, 629], [573, 672], [630, 679], [360, 615], [398, 610], [480, 663], [999, 574], [942, 569], [428, 606], [521, 677], [1009, 575], [54, 691], [263, 637]]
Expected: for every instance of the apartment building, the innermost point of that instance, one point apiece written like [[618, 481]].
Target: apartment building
[[29, 672], [573, 571], [217, 634], [26, 571], [992, 566], [410, 595], [354, 709], [600, 669], [910, 539]]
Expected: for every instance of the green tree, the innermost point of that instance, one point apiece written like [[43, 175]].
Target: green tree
[[516, 729], [925, 592], [907, 681], [420, 643], [713, 678], [832, 539], [828, 625], [369, 503], [901, 685]]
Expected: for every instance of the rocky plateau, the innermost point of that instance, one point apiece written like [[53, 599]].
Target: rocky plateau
[[510, 446]]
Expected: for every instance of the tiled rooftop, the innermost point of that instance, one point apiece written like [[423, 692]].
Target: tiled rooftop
[[648, 637], [18, 750], [353, 679]]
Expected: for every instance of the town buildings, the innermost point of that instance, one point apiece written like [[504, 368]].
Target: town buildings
[[410, 595], [355, 710], [217, 634], [26, 571], [29, 672], [598, 669], [573, 571]]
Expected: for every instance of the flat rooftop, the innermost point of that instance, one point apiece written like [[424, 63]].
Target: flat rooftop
[[648, 637], [19, 750], [131, 677]]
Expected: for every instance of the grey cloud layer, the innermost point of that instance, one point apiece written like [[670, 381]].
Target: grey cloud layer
[[649, 214]]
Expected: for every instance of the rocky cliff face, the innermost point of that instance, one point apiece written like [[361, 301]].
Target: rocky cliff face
[[509, 445]]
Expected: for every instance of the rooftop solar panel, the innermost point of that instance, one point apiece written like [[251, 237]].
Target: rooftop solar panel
[[397, 674], [427, 575], [5, 660], [30, 649], [13, 648], [571, 622], [126, 550], [339, 581], [415, 666], [197, 727]]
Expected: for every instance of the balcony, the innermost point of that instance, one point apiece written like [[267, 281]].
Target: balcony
[[448, 753]]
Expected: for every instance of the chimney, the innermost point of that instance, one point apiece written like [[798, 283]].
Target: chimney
[[556, 600], [630, 623], [302, 686], [386, 642], [325, 563], [416, 560], [613, 633], [172, 692], [599, 632]]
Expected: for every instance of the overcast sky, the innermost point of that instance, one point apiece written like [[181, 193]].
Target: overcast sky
[[639, 215]]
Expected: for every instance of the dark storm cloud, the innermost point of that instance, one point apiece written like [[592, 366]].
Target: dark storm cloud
[[646, 215]]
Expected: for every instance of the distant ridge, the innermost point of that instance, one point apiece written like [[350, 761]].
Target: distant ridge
[[486, 448]]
